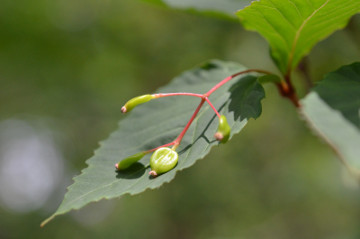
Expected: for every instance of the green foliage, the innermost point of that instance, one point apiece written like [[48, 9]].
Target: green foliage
[[67, 67], [160, 121], [333, 112], [293, 27]]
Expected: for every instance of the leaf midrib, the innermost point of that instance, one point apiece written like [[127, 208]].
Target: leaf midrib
[[298, 32]]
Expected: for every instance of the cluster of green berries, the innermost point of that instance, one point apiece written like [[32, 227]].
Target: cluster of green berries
[[164, 158]]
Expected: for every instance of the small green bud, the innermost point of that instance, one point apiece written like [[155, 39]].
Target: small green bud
[[131, 104], [127, 162], [162, 161], [223, 131]]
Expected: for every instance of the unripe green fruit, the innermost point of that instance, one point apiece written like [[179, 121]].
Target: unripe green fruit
[[127, 162], [163, 160], [131, 104], [223, 131]]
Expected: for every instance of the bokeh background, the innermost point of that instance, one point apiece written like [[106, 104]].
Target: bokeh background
[[66, 68]]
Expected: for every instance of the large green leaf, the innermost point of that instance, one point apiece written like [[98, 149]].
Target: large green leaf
[[293, 27], [333, 112], [227, 7], [158, 122]]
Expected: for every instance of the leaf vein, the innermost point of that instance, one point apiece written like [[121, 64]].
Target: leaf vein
[[297, 35], [283, 16], [277, 32]]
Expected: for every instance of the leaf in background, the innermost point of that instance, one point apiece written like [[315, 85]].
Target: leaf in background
[[159, 122], [333, 112], [227, 7], [293, 27]]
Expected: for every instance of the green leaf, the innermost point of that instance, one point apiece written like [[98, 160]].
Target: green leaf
[[159, 122], [226, 7], [293, 27], [332, 110]]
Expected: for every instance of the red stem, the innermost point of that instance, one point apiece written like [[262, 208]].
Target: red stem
[[287, 90], [177, 141], [224, 81], [212, 106], [204, 98], [165, 145], [160, 95]]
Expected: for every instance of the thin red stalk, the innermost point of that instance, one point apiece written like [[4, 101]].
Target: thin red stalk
[[224, 81], [212, 106], [177, 141], [204, 98], [165, 145], [160, 95]]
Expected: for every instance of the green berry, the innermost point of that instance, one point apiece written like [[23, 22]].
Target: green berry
[[131, 104], [162, 161], [127, 162], [223, 131]]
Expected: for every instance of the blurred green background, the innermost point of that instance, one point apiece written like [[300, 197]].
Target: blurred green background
[[66, 68]]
